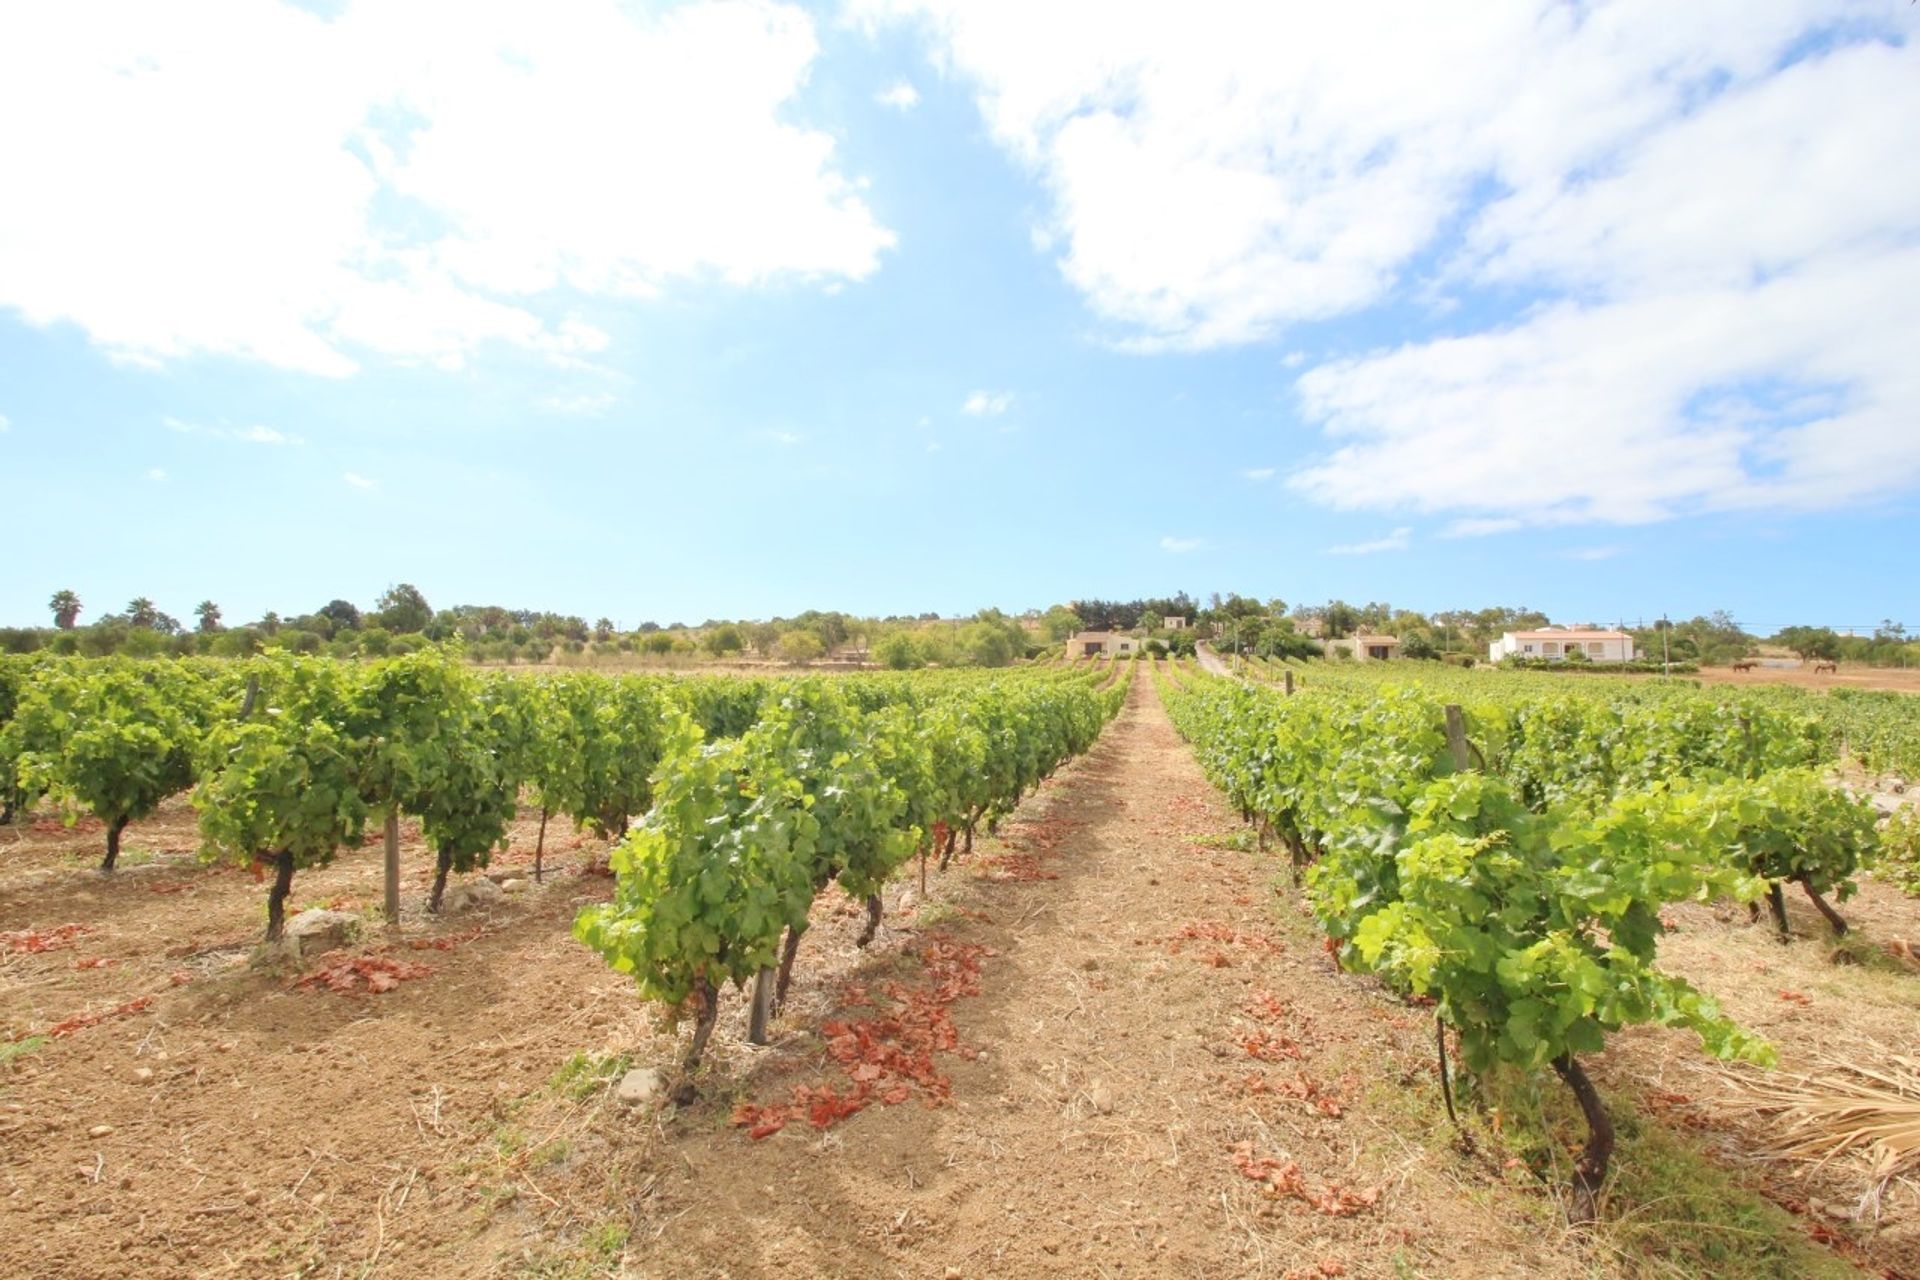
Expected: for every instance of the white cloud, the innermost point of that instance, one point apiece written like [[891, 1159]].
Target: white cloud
[[1257, 164], [1259, 475], [987, 403], [409, 182], [901, 96], [157, 474], [256, 434], [1481, 526], [786, 438], [1707, 212], [1398, 540], [589, 404], [6, 423], [1180, 546], [358, 481], [1592, 553]]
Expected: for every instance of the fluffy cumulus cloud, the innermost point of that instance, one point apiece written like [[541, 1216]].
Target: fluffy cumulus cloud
[[1687, 237], [403, 181], [901, 96]]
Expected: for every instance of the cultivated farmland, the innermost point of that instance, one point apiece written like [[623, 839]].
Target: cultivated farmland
[[1055, 1004]]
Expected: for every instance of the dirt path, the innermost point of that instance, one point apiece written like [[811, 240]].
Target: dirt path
[[1164, 1083]]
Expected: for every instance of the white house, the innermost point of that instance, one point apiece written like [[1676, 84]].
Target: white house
[[1556, 643], [1174, 622], [1113, 644], [1363, 647]]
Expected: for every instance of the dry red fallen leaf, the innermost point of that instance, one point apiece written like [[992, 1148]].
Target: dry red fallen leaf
[[1284, 1180], [1019, 867], [376, 973], [93, 962], [37, 940], [78, 1021], [1796, 997], [886, 1057], [1270, 1046]]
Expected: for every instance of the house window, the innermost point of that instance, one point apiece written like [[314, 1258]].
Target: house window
[[1529, 649], [1552, 649]]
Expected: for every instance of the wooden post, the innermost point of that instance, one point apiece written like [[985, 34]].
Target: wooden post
[[393, 868], [1457, 738], [762, 1007], [1289, 683]]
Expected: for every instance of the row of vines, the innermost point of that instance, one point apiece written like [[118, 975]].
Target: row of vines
[[1507, 854], [751, 796]]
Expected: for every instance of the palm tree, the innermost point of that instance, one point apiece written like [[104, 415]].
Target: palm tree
[[141, 612], [209, 615], [66, 608]]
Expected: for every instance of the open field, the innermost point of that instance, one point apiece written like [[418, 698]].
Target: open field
[[1140, 1016], [1898, 679]]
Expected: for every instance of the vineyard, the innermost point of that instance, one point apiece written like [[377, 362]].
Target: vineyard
[[1511, 861], [972, 891]]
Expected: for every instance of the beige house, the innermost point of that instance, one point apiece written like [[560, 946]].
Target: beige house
[[1363, 647], [1174, 623], [1555, 643], [1112, 644]]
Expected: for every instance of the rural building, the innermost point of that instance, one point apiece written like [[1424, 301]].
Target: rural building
[[1174, 623], [1364, 647], [1557, 642], [1113, 644]]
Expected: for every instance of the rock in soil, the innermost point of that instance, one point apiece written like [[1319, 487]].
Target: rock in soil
[[640, 1087], [474, 893], [315, 931]]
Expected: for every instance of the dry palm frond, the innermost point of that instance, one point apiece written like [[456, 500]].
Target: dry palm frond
[[1846, 1109]]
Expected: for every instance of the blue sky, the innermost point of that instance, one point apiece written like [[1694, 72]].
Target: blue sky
[[735, 309]]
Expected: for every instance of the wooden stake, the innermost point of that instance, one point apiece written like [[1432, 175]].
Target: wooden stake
[[762, 1009], [393, 868], [1457, 738]]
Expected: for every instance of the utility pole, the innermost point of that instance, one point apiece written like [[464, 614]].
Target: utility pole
[[1665, 628]]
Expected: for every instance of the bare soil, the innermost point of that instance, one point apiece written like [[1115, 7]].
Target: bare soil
[[1109, 1043], [1898, 679]]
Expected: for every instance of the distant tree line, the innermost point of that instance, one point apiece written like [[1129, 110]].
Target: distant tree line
[[402, 620]]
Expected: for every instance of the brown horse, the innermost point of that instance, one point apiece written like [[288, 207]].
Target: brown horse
[[1834, 667]]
